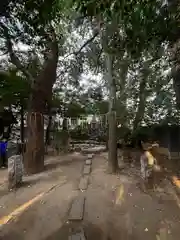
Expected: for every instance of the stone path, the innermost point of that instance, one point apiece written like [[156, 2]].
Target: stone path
[[77, 209]]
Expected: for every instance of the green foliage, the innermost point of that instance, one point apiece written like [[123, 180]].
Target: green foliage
[[29, 19], [79, 134], [134, 31], [68, 103], [137, 19], [135, 26], [74, 110], [14, 90]]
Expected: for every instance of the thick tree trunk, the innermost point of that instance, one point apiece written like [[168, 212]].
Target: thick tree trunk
[[122, 96], [112, 141], [34, 157], [41, 96], [35, 148], [145, 71], [112, 144]]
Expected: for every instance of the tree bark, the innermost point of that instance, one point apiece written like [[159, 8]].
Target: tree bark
[[41, 96], [122, 98], [65, 136], [34, 159], [48, 129], [112, 141], [145, 71]]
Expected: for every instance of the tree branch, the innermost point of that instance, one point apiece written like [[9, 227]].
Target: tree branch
[[14, 59], [84, 45]]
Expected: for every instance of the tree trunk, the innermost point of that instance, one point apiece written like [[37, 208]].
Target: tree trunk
[[41, 96], [122, 96], [112, 141], [145, 71], [65, 136], [48, 129], [35, 148]]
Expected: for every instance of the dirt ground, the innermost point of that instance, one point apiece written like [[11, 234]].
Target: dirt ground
[[115, 208], [59, 182]]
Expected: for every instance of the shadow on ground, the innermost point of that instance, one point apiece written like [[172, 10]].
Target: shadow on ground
[[52, 172], [90, 230]]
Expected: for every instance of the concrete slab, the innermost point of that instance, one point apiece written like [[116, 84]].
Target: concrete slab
[[87, 169], [82, 234], [75, 236], [77, 209], [90, 156], [83, 185], [78, 236], [94, 150], [88, 162]]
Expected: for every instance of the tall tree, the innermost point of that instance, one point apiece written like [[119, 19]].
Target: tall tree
[[33, 23], [112, 136]]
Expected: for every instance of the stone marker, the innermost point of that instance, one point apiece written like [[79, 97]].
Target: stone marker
[[88, 162], [15, 171], [77, 209], [84, 183], [87, 169]]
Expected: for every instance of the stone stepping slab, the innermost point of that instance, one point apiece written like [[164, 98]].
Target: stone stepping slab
[[84, 181], [88, 162], [94, 150], [78, 236], [90, 156], [87, 169], [77, 209]]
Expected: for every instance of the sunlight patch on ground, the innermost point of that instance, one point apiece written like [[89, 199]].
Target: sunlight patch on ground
[[162, 234], [120, 195], [176, 181], [19, 210], [176, 199]]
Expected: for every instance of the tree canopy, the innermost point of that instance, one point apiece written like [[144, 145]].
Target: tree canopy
[[56, 53]]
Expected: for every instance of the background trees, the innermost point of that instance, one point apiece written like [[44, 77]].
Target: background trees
[[81, 59]]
